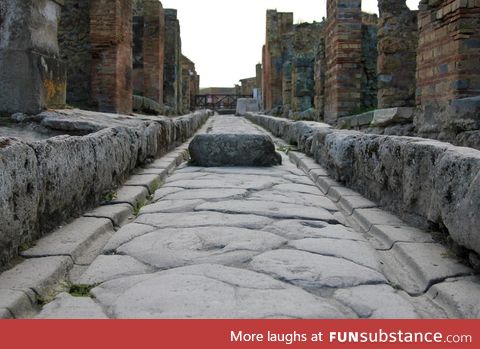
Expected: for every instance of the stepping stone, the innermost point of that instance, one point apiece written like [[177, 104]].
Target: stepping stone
[[210, 291], [215, 150]]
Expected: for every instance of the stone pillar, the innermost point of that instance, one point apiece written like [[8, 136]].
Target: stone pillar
[[138, 39], [287, 87], [111, 38], [190, 82], [397, 45], [172, 78], [153, 50], [32, 77], [303, 84], [277, 25], [319, 76], [343, 58]]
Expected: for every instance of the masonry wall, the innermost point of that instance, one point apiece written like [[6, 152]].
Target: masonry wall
[[153, 50], [111, 38], [397, 45], [172, 80], [277, 25], [343, 58], [32, 77]]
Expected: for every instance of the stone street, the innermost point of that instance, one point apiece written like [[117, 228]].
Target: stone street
[[263, 242]]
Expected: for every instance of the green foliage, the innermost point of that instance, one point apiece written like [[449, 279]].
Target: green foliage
[[109, 197], [80, 290], [285, 148]]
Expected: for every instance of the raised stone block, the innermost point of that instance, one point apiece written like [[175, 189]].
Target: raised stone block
[[391, 116], [245, 105], [213, 150]]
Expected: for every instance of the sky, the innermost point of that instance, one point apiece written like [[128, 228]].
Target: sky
[[225, 37]]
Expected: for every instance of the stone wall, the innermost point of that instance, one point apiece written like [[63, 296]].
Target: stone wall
[[190, 84], [248, 85], [369, 84], [111, 39], [172, 79], [137, 52], [32, 77], [343, 44], [397, 45], [430, 184], [45, 183]]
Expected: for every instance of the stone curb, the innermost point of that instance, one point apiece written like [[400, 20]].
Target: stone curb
[[49, 261]]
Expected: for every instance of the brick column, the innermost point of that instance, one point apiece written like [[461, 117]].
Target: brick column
[[448, 61], [343, 58], [32, 77], [111, 38], [397, 45], [277, 25], [153, 50], [319, 77], [172, 80]]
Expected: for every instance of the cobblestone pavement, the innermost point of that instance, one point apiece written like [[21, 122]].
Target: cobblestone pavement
[[266, 243]]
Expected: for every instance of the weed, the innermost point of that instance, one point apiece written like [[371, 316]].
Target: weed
[[138, 207], [109, 197], [80, 290], [285, 148]]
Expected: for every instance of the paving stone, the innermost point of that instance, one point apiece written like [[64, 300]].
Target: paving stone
[[317, 172], [350, 203], [207, 194], [269, 209], [203, 219], [150, 181], [94, 249], [17, 303], [298, 179], [37, 274], [210, 291], [132, 195], [376, 302], [459, 295], [66, 306], [230, 182], [416, 266], [5, 314], [105, 268], [125, 234], [169, 248], [314, 271], [163, 163], [185, 176], [171, 206], [298, 188], [160, 172], [367, 217], [71, 240], [298, 229], [164, 191], [355, 251], [118, 214], [385, 236], [341, 218], [294, 198], [336, 193], [325, 183]]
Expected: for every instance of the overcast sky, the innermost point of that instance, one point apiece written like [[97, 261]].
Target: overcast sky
[[225, 37]]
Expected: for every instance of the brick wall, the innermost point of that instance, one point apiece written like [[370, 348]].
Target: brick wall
[[153, 50], [343, 58], [111, 38], [448, 59]]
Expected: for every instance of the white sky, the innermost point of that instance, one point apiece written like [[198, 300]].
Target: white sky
[[225, 37]]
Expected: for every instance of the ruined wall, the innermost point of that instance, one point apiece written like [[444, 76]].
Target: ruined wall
[[75, 49], [248, 85], [278, 24], [111, 37], [153, 50], [137, 51], [172, 78], [319, 78], [397, 45], [448, 70], [343, 58], [32, 77], [369, 85], [190, 84]]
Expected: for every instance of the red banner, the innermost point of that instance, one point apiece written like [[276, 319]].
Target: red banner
[[327, 334]]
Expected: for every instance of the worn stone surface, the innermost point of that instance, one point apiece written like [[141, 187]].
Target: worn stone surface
[[210, 291], [67, 307]]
